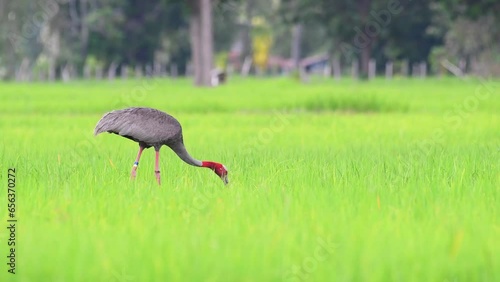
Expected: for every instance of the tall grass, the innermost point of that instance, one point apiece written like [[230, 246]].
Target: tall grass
[[379, 181]]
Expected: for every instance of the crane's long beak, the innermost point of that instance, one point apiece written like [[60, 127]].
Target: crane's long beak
[[225, 179]]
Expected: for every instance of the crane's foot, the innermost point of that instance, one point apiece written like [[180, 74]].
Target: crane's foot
[[157, 174]]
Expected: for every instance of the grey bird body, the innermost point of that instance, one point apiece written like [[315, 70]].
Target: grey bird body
[[149, 127], [153, 128]]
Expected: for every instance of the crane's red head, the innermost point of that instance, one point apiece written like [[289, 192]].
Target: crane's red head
[[218, 168]]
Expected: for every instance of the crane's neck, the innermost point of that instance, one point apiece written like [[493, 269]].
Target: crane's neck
[[208, 164], [181, 151]]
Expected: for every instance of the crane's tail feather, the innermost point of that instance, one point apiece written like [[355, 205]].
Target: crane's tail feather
[[104, 124], [122, 122]]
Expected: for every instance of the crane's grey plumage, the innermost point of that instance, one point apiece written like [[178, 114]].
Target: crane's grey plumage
[[150, 128], [146, 125]]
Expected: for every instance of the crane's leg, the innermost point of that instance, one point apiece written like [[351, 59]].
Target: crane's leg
[[136, 163], [157, 166]]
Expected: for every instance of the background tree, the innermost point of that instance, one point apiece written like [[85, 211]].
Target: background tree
[[61, 35], [201, 40]]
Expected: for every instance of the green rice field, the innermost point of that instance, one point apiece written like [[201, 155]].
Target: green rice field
[[329, 181]]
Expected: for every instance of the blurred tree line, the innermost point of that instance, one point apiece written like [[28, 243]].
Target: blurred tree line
[[196, 35]]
